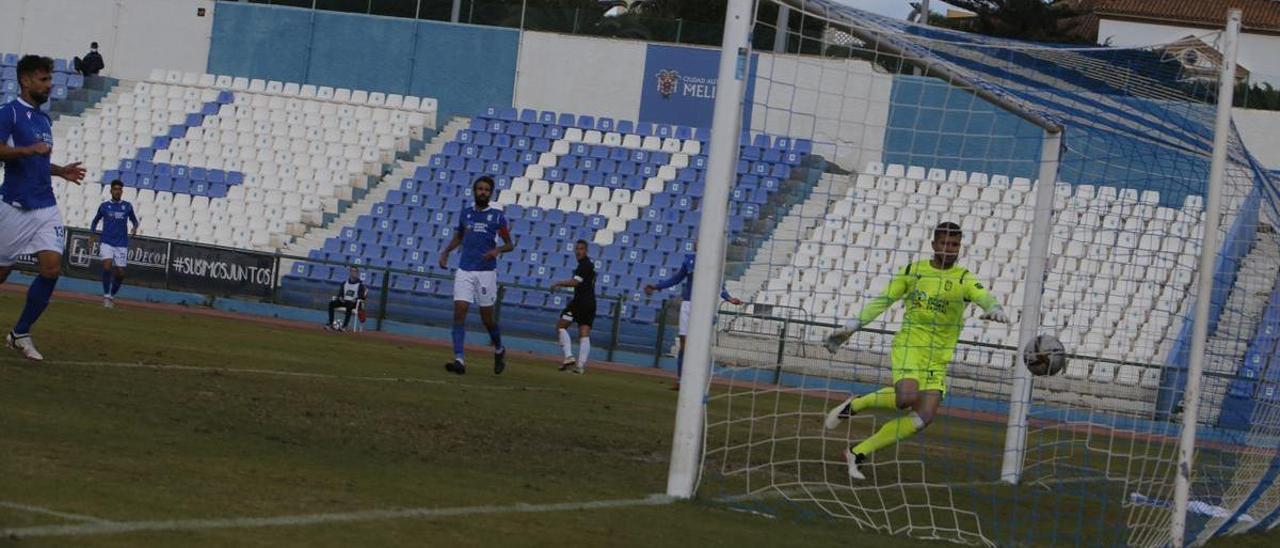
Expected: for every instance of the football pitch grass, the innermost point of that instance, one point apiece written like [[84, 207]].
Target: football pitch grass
[[162, 426]]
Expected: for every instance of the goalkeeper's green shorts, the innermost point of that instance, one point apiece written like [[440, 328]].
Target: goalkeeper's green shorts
[[925, 366]]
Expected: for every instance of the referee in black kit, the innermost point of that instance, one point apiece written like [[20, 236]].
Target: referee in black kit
[[581, 309]]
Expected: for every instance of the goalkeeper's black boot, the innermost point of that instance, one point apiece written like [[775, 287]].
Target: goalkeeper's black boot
[[499, 361]]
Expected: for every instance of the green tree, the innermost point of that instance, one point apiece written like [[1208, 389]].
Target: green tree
[[1034, 20], [1263, 97]]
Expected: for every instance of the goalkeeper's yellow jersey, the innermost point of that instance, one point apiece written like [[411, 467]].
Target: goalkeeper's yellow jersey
[[935, 300]]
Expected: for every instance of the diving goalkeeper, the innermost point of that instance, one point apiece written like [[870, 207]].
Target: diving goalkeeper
[[936, 293]]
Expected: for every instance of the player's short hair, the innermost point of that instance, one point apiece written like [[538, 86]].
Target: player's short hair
[[484, 179], [116, 182], [946, 229], [583, 242], [31, 64]]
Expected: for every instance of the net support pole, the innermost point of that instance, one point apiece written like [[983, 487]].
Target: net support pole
[[686, 445], [1015, 438], [1204, 289], [781, 24]]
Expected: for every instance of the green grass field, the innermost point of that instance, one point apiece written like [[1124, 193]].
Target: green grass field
[[156, 427]]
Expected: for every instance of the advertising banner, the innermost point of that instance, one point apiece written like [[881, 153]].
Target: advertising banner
[[680, 86]]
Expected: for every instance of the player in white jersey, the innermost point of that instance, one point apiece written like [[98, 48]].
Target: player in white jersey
[[30, 222]]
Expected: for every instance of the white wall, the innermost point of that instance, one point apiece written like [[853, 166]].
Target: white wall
[[596, 76], [134, 36], [1260, 130], [842, 105], [1257, 52]]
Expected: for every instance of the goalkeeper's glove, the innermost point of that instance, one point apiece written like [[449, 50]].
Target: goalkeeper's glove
[[995, 315], [838, 337]]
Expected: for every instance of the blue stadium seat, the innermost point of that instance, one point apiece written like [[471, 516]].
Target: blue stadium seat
[[512, 296], [586, 121], [645, 315]]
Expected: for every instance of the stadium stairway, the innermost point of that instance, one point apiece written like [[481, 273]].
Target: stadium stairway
[[74, 117], [1242, 316], [81, 99], [800, 220], [376, 193]]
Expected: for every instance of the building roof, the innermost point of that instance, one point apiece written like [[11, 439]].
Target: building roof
[[1259, 15]]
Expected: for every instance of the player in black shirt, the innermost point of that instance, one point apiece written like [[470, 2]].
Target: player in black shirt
[[581, 309]]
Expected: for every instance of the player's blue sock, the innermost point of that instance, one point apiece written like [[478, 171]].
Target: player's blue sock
[[37, 300], [679, 364], [459, 338], [115, 285], [495, 336], [106, 282]]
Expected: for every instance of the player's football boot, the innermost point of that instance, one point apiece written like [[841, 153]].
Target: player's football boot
[[22, 343], [853, 461], [839, 413]]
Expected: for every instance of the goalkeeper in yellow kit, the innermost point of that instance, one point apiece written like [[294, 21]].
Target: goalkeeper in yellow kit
[[936, 293]]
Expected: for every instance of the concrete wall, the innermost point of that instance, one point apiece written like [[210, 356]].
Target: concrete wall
[[134, 36], [1257, 52], [465, 67], [596, 76], [841, 105], [1260, 130]]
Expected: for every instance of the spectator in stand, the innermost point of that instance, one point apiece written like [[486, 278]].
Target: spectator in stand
[[92, 64]]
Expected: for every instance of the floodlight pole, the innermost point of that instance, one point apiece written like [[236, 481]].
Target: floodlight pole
[[686, 445], [1204, 291], [1015, 438]]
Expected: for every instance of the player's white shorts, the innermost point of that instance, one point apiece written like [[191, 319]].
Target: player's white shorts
[[25, 231], [119, 256], [684, 317], [479, 287]]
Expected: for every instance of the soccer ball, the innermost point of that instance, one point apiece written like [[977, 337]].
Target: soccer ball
[[1045, 355]]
